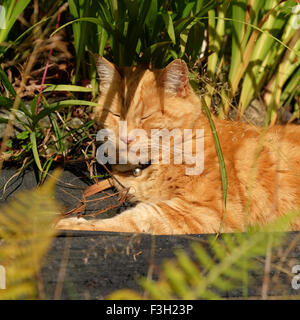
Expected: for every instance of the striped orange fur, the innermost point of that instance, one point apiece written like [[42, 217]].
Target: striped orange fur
[[262, 164]]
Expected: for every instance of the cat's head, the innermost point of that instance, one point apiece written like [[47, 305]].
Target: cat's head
[[145, 98]]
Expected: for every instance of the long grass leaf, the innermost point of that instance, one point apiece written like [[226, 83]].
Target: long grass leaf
[[35, 150], [219, 153], [169, 26], [6, 103], [65, 87], [58, 105], [13, 9], [6, 83]]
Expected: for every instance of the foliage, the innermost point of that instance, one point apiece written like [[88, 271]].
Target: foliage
[[139, 31], [251, 51], [33, 131], [26, 231], [265, 54], [227, 263], [13, 8], [222, 164], [253, 48]]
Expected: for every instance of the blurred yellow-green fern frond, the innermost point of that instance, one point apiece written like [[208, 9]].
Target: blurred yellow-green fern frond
[[225, 264], [26, 231]]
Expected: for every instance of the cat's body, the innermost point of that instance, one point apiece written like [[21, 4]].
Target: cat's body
[[262, 164]]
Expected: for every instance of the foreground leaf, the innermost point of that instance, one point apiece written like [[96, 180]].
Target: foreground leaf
[[26, 231]]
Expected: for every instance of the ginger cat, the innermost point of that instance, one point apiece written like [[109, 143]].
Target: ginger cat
[[262, 164]]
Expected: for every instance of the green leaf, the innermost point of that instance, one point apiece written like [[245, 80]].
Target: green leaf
[[187, 9], [177, 280], [26, 232], [238, 30], [169, 25], [150, 51], [125, 294], [35, 150], [102, 41], [15, 42], [203, 257], [46, 169], [33, 104], [23, 135], [107, 27], [183, 24], [189, 267], [219, 154], [194, 40], [133, 8], [69, 88], [58, 134], [156, 291], [13, 9], [58, 105], [199, 6], [152, 14], [6, 102], [9, 143], [6, 83]]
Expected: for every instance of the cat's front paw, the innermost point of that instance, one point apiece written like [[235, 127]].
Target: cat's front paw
[[73, 224]]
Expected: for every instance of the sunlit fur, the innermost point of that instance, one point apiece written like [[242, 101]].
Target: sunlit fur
[[262, 164]]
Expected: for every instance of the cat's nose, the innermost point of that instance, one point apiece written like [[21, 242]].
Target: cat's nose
[[127, 140]]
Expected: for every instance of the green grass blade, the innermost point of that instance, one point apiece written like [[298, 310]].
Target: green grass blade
[[219, 152], [6, 83], [199, 6], [46, 168], [103, 36], [13, 9], [79, 10], [177, 280], [6, 103], [68, 88], [169, 26], [216, 34], [35, 150], [291, 86], [33, 104], [2, 120], [16, 42], [192, 272], [58, 134], [202, 256], [238, 30], [194, 41], [58, 105], [117, 35], [132, 7]]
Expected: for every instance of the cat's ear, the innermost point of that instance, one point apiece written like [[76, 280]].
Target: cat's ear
[[175, 78], [107, 72]]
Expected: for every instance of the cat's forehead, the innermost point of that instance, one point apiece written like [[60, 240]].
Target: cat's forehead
[[137, 82], [137, 75]]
